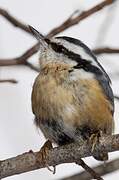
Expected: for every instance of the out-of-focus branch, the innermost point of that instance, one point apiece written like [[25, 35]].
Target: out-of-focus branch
[[106, 50], [15, 22], [71, 21], [89, 170], [63, 154], [22, 60], [8, 80], [101, 169]]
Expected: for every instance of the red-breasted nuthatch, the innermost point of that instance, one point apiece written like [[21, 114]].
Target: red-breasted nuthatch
[[72, 99]]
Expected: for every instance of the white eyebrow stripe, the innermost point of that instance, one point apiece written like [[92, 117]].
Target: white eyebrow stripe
[[77, 49]]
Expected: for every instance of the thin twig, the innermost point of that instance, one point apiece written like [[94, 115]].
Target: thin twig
[[89, 170], [14, 21], [100, 169], [8, 80], [106, 50], [63, 154], [71, 21], [22, 60], [31, 66]]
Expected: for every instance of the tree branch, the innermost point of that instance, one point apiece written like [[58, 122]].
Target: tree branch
[[65, 154], [71, 21], [22, 60], [106, 50], [15, 22], [101, 169], [8, 80], [93, 174]]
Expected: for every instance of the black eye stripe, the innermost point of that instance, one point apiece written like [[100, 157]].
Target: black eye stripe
[[63, 50]]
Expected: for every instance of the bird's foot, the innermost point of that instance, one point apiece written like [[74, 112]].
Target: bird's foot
[[98, 155], [43, 153], [94, 139]]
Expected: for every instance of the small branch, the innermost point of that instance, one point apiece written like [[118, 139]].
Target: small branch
[[71, 21], [64, 154], [31, 66], [22, 60], [15, 22], [105, 50], [101, 169], [8, 80], [89, 170]]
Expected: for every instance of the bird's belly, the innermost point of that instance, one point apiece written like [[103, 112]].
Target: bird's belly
[[64, 114]]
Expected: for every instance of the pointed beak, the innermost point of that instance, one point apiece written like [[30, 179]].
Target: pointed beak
[[39, 37]]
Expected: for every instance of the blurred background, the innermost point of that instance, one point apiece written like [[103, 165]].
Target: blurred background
[[17, 131]]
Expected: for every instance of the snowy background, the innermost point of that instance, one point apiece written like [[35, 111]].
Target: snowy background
[[17, 131]]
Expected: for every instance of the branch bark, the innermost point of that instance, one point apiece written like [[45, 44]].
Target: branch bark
[[106, 50], [65, 154]]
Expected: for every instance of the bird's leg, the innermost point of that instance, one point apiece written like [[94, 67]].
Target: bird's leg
[[43, 153], [94, 139]]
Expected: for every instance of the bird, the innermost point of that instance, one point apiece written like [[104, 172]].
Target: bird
[[72, 98]]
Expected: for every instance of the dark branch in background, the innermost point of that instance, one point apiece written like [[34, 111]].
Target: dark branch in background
[[106, 50], [93, 174], [101, 169], [14, 21], [73, 21], [8, 80], [22, 60], [63, 154]]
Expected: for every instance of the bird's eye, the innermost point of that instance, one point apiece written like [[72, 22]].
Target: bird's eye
[[56, 47], [70, 70]]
